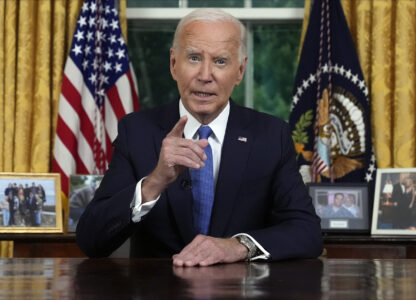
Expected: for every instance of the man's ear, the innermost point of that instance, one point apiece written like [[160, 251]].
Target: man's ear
[[172, 63], [241, 70]]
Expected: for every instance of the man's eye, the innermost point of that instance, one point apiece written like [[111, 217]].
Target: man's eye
[[194, 58], [220, 61]]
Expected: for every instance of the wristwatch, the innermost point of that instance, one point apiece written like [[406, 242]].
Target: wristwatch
[[249, 244]]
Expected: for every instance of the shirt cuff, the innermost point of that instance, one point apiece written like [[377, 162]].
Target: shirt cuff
[[139, 210], [261, 253]]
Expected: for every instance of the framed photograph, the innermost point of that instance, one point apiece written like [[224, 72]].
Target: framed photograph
[[341, 207], [30, 203], [394, 211], [81, 192]]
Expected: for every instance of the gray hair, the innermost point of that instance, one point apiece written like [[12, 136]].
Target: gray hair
[[212, 15]]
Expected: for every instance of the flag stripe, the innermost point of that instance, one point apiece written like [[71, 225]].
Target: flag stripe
[[134, 92], [87, 156], [98, 88], [111, 120], [71, 117], [64, 157], [71, 94], [109, 147], [64, 177], [68, 139], [123, 84], [115, 101]]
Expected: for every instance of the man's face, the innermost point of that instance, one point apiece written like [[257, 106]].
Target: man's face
[[403, 177], [348, 201], [206, 67], [338, 200]]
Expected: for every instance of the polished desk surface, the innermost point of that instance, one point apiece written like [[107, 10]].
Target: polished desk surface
[[72, 278]]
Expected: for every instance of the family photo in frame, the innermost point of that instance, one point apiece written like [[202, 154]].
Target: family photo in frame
[[30, 202], [341, 207], [394, 210]]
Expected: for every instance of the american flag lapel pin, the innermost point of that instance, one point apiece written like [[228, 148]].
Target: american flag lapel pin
[[242, 139]]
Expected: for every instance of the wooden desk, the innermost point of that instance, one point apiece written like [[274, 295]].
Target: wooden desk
[[43, 245], [365, 246], [78, 278], [337, 246]]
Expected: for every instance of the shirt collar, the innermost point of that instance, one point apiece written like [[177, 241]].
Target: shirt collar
[[218, 125]]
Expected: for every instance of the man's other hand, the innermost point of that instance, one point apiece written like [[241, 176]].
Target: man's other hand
[[205, 250], [176, 154]]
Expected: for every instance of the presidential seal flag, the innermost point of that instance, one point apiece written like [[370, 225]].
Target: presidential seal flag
[[98, 88], [330, 114]]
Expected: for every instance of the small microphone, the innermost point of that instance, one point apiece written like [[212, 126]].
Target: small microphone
[[186, 184]]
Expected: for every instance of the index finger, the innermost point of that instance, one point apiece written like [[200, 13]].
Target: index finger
[[177, 130]]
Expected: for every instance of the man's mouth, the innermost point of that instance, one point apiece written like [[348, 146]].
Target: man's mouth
[[203, 94]]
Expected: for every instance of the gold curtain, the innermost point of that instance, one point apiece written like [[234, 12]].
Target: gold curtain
[[384, 33], [123, 18], [35, 37]]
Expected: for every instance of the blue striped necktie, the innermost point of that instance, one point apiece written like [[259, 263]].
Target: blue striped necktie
[[203, 187]]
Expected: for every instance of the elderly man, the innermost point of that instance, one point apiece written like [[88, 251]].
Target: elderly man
[[202, 179]]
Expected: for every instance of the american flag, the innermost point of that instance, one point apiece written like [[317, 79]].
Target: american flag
[[98, 88]]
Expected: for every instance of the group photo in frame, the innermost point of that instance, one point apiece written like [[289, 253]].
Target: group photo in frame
[[30, 202], [81, 191], [341, 206], [394, 211]]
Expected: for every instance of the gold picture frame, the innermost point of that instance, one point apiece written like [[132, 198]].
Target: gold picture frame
[[30, 203]]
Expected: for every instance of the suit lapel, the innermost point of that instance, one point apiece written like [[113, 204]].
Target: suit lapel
[[179, 194], [180, 199], [235, 151]]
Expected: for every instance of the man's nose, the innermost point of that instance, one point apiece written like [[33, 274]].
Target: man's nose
[[205, 71]]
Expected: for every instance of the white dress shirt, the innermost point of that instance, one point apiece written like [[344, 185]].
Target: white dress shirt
[[216, 139]]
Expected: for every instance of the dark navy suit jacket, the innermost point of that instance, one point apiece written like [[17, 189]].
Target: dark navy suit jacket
[[259, 191]]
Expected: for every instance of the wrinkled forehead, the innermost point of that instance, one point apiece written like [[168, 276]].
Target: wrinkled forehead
[[214, 34]]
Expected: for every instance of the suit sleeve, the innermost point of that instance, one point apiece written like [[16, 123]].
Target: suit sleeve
[[106, 222], [294, 230]]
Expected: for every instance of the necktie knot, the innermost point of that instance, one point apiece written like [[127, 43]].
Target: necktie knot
[[204, 132]]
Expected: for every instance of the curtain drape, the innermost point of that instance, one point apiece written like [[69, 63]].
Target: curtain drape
[[384, 33], [35, 39]]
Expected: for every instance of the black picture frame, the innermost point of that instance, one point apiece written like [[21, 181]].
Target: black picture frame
[[342, 207]]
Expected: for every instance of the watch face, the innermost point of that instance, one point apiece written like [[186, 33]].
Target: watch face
[[249, 244]]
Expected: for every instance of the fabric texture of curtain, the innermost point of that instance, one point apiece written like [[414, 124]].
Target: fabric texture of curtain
[[384, 33], [35, 37]]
